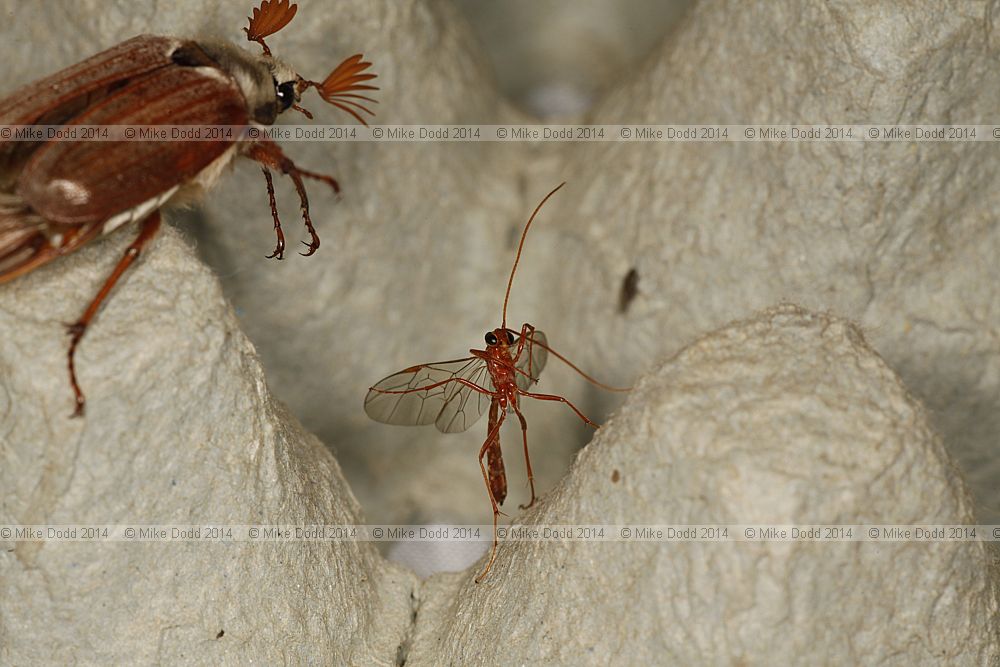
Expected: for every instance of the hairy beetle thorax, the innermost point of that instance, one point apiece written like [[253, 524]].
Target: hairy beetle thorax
[[257, 77]]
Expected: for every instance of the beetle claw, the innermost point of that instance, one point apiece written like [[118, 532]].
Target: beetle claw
[[312, 248]]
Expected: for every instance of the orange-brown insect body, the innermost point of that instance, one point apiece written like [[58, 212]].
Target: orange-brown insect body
[[500, 364], [454, 394], [57, 196]]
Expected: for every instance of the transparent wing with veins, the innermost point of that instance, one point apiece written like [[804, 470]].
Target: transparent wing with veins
[[452, 406], [532, 359], [464, 405]]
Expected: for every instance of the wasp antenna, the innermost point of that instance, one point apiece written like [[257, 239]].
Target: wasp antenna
[[269, 18], [520, 246]]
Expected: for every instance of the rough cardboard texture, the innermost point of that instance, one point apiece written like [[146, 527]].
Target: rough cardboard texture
[[182, 427], [786, 418], [900, 237], [187, 434]]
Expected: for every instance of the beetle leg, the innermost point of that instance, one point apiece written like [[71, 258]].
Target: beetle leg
[[269, 154], [150, 226], [279, 248], [36, 248], [329, 180]]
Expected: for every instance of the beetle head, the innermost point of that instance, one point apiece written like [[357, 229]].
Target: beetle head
[[340, 88]]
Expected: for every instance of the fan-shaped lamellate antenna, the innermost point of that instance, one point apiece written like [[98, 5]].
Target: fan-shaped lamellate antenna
[[272, 16], [341, 87]]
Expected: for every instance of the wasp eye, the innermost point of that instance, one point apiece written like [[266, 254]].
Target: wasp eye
[[285, 93], [510, 338], [491, 338]]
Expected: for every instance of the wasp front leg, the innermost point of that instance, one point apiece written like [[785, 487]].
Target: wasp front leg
[[525, 335]]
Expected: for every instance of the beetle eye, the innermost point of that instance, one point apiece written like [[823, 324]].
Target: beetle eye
[[285, 93], [491, 338], [510, 338]]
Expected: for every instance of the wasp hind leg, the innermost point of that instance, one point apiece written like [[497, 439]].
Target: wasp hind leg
[[150, 226], [527, 459]]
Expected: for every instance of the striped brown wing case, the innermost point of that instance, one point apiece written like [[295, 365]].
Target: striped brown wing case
[[66, 190]]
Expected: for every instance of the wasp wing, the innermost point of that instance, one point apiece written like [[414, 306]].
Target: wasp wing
[[532, 359], [430, 393], [465, 405]]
